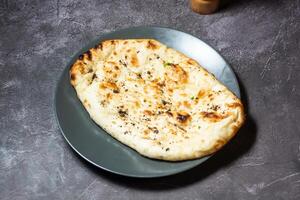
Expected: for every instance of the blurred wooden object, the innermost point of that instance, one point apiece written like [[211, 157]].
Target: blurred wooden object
[[204, 6]]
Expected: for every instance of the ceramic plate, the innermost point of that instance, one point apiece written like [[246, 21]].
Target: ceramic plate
[[98, 147]]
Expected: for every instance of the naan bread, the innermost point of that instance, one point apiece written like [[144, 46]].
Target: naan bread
[[156, 100]]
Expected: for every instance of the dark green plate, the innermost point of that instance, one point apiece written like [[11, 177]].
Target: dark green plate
[[99, 148]]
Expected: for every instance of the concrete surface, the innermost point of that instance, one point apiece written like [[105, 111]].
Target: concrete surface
[[260, 39]]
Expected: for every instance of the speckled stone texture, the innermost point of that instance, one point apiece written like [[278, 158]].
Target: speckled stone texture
[[260, 39]]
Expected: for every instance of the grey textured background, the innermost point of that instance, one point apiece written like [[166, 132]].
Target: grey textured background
[[260, 39]]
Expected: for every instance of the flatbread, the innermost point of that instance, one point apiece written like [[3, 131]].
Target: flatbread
[[156, 100]]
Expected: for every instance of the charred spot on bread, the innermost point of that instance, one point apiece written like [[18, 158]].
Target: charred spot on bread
[[176, 74], [186, 104], [108, 96], [234, 105], [134, 60], [109, 85], [183, 117], [169, 113], [116, 67], [200, 95], [191, 62], [89, 55], [161, 84], [219, 143], [116, 91], [122, 113], [80, 57], [164, 102], [151, 45], [94, 76], [212, 116], [148, 112], [99, 46], [73, 76]]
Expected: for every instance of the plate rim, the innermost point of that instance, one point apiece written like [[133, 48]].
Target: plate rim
[[97, 39]]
